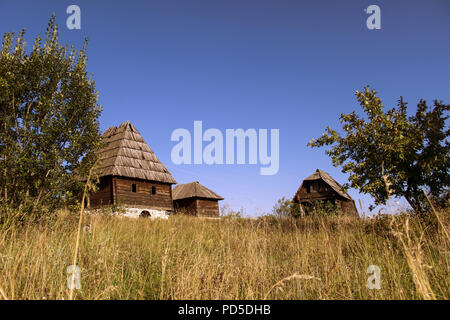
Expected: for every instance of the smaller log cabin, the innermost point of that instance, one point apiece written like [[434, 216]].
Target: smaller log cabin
[[320, 186], [131, 175], [195, 199]]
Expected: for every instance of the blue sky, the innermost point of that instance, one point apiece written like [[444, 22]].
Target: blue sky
[[289, 65]]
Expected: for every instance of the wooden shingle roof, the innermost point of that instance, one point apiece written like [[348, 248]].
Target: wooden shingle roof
[[192, 190], [126, 154], [322, 175]]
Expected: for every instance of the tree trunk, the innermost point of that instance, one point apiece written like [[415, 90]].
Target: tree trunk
[[415, 203], [412, 203]]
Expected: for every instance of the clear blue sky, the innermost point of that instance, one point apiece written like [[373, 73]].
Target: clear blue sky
[[290, 65]]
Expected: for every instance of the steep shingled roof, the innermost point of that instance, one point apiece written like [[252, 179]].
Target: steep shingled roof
[[193, 189], [126, 154], [319, 174]]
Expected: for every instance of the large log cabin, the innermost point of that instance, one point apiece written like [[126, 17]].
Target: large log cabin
[[195, 199], [320, 186], [131, 175]]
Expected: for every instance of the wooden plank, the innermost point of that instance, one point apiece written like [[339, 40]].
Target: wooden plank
[[143, 196], [186, 206], [102, 196], [207, 207]]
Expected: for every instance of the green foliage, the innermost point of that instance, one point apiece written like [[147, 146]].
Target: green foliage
[[324, 208], [227, 212], [389, 153], [286, 208], [49, 122]]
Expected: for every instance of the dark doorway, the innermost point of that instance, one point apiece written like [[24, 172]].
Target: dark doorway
[[144, 214]]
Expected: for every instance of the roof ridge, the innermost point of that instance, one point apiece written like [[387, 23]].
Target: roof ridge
[[133, 157], [329, 180], [195, 187], [117, 152], [192, 190]]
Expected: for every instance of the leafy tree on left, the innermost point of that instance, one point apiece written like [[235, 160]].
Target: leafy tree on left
[[49, 124]]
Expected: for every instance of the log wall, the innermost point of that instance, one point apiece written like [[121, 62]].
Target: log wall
[[197, 207], [186, 206], [143, 197], [348, 207], [318, 190], [104, 195], [208, 207]]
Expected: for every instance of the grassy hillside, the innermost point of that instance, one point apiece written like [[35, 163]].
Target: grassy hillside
[[231, 258]]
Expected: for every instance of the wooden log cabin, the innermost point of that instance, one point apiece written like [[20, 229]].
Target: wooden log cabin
[[320, 186], [195, 199], [130, 174]]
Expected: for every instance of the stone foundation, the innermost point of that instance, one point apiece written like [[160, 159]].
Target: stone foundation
[[133, 213], [145, 213]]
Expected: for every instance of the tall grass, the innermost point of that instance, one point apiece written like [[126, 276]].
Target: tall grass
[[232, 258]]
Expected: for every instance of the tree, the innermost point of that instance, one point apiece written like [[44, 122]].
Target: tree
[[286, 208], [388, 153], [49, 122]]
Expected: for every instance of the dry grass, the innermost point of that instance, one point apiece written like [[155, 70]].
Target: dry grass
[[191, 258]]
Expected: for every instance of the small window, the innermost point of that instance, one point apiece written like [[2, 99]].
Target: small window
[[133, 187], [308, 188], [153, 190]]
